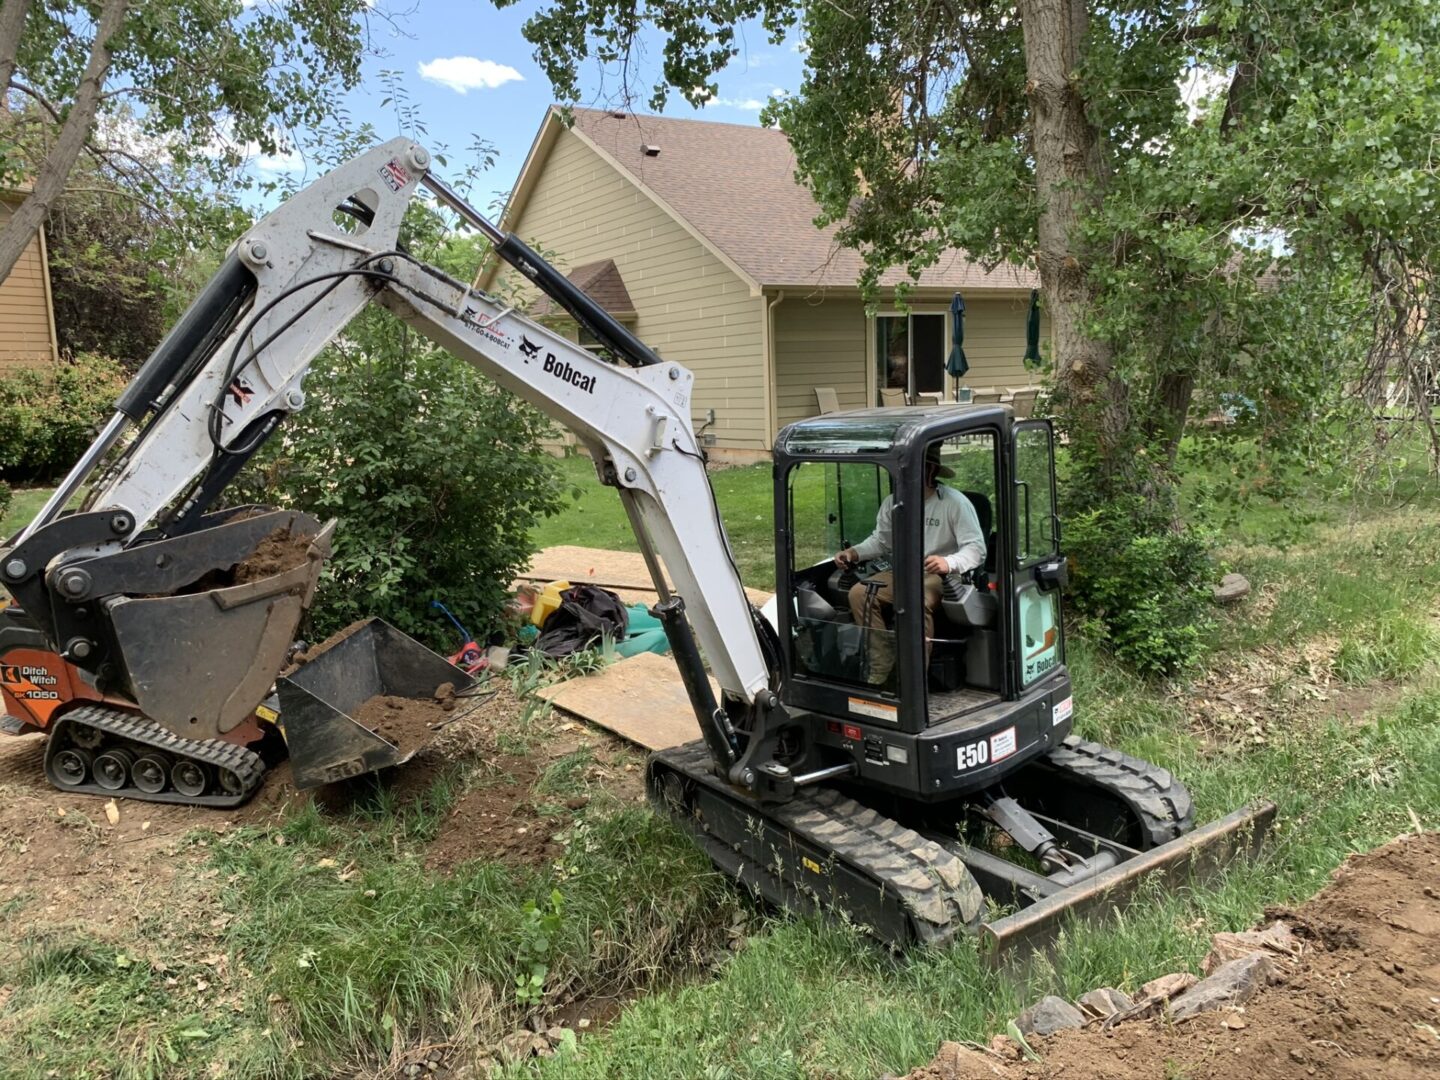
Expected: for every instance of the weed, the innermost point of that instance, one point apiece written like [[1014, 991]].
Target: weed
[[566, 776], [538, 928]]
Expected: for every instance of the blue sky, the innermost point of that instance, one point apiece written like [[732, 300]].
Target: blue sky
[[469, 71]]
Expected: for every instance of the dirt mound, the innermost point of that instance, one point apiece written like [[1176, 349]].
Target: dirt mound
[[1364, 1001], [409, 723]]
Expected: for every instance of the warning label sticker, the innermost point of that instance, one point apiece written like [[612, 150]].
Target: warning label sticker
[[874, 709], [1002, 744]]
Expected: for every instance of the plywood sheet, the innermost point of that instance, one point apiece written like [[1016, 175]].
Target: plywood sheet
[[622, 572], [641, 699]]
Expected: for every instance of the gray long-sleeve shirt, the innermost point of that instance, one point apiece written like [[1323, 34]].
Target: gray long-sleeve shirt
[[952, 531]]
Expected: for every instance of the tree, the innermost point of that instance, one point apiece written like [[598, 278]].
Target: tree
[[197, 80], [1186, 248]]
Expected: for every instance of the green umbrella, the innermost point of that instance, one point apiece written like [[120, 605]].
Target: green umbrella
[[1032, 331], [957, 365]]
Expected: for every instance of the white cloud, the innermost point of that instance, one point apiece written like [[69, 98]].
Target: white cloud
[[465, 73], [744, 104]]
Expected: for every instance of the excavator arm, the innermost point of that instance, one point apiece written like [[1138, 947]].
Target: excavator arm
[[233, 368]]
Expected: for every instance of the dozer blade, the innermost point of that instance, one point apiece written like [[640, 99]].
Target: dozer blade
[[319, 701], [1191, 857]]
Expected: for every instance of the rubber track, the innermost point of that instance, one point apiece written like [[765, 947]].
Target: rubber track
[[147, 734], [1160, 802], [929, 888]]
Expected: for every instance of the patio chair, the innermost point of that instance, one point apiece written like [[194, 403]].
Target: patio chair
[[928, 399], [1022, 400], [891, 396], [827, 399], [985, 395]]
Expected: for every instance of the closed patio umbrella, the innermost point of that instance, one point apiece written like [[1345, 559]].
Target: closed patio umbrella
[[1032, 331], [957, 365]]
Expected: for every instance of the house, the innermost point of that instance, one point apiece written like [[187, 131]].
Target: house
[[27, 317], [697, 236]]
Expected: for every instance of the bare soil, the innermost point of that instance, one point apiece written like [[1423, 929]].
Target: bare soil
[[409, 723], [277, 553], [1363, 1002]]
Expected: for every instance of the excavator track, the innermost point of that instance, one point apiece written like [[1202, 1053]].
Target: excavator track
[[135, 755], [1067, 780], [821, 851]]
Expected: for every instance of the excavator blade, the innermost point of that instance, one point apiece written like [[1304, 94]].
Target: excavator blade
[[1188, 858], [319, 703]]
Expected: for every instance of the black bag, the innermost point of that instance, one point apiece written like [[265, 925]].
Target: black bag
[[585, 614]]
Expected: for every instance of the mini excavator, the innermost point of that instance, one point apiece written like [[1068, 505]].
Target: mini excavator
[[903, 792]]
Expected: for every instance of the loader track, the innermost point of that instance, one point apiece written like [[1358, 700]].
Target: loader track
[[1159, 805], [134, 754], [820, 851]]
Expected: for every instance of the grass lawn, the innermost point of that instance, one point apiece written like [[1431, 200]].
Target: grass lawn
[[24, 506], [595, 518], [347, 954]]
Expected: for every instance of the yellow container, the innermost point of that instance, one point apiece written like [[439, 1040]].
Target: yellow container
[[547, 601]]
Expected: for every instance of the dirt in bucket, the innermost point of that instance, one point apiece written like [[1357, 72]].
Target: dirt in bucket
[[282, 550]]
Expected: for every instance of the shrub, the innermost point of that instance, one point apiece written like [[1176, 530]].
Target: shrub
[[48, 415], [435, 475], [6, 496], [1141, 582]]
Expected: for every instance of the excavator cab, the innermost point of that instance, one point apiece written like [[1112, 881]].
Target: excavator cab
[[929, 695]]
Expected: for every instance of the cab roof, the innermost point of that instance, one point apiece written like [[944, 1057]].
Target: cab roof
[[878, 430]]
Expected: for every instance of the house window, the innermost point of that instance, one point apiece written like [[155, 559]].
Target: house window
[[909, 357]]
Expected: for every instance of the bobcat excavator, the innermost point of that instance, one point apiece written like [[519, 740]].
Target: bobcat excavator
[[146, 639]]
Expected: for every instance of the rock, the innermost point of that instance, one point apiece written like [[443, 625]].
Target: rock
[[1104, 1003], [1049, 1015], [517, 1046], [956, 1062], [555, 1034], [1230, 984], [412, 1070], [1166, 987], [1276, 938], [1232, 588]]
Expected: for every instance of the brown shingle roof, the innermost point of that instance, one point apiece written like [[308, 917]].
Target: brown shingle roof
[[602, 281], [736, 185]]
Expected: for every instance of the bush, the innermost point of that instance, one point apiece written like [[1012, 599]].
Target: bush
[[435, 475], [1143, 583], [6, 496], [48, 415]]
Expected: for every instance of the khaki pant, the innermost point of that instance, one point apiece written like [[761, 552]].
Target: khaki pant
[[866, 610]]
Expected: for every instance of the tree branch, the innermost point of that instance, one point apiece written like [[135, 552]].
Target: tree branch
[[74, 135], [12, 24]]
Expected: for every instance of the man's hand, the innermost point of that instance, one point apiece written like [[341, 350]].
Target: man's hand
[[847, 558], [937, 564]]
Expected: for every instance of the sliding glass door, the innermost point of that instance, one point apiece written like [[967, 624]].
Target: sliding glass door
[[909, 357]]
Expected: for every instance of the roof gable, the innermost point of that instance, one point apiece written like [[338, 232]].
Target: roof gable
[[735, 186], [601, 281]]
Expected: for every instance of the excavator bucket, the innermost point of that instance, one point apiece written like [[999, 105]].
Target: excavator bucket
[[370, 700]]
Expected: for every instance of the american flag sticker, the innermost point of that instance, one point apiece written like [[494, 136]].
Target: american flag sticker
[[394, 175]]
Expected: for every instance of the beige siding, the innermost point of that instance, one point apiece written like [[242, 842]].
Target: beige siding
[[829, 344], [689, 306], [819, 345], [25, 332], [995, 341]]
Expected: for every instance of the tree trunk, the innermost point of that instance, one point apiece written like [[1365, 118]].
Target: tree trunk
[[12, 25], [1069, 171], [50, 182]]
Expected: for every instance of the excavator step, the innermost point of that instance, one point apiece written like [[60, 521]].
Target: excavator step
[[103, 751], [821, 851]]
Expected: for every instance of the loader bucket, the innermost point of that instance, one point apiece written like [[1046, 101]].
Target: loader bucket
[[318, 701]]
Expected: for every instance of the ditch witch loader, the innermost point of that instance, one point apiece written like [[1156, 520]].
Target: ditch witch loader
[[899, 767]]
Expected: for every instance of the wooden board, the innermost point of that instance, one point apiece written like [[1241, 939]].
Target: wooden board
[[641, 699], [622, 572]]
